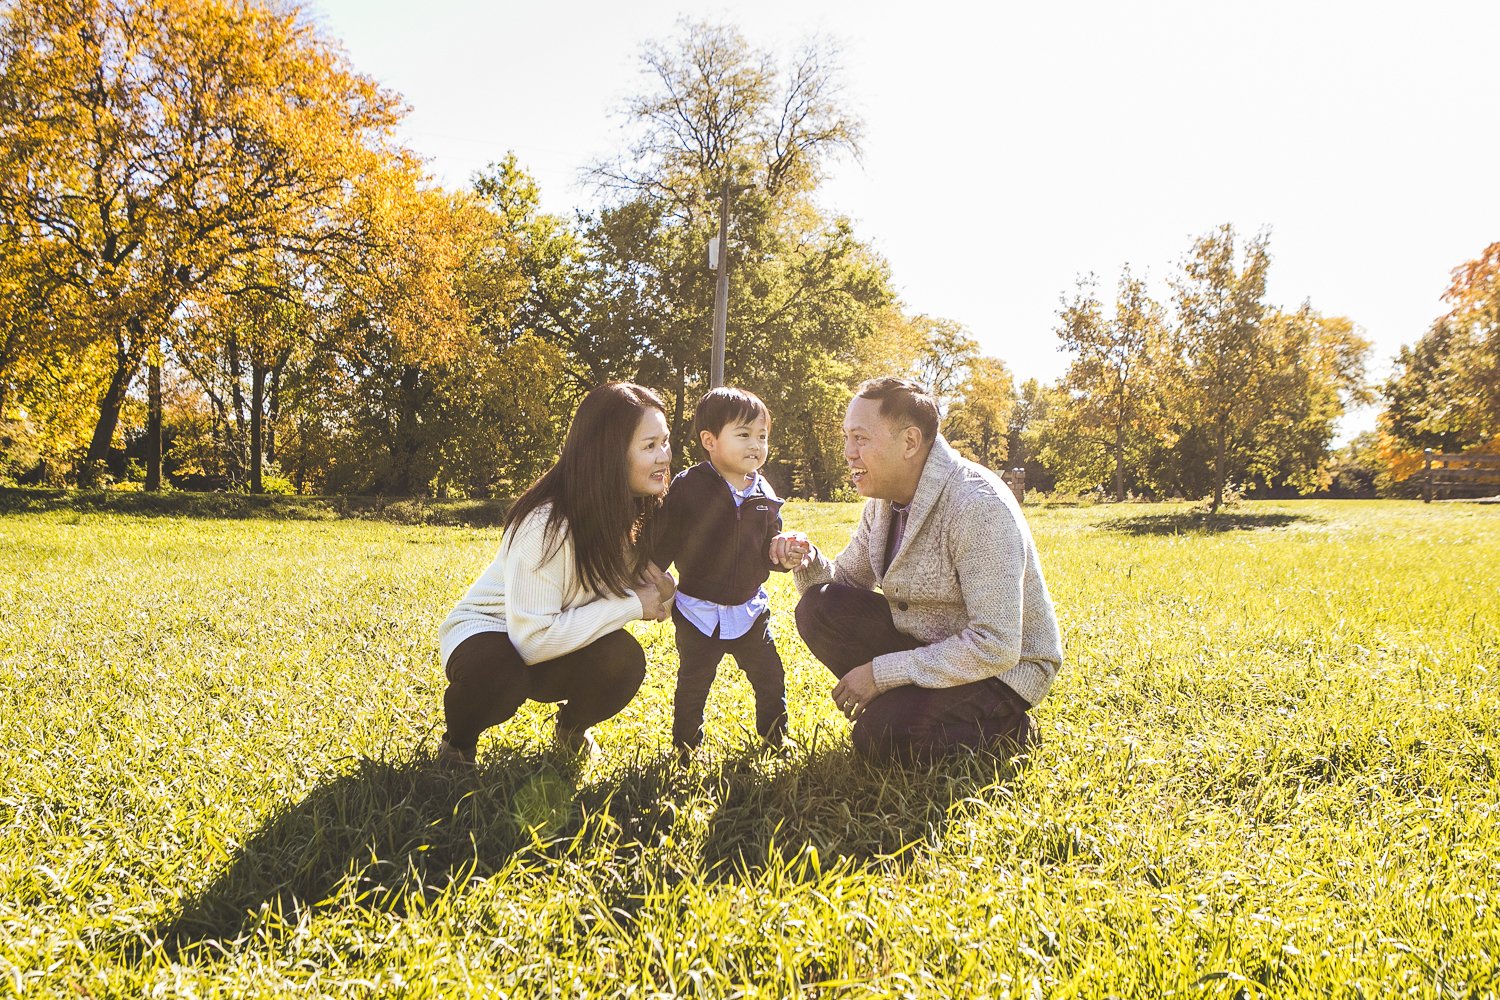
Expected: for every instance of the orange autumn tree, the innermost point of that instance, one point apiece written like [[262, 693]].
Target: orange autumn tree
[[422, 383], [149, 146]]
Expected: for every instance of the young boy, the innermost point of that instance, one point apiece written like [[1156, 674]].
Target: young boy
[[717, 525]]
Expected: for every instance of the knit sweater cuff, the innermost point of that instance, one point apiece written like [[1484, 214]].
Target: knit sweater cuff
[[891, 671], [1029, 680], [819, 570]]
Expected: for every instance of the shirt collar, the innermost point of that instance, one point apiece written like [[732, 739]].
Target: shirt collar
[[749, 491]]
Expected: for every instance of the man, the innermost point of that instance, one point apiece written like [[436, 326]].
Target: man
[[961, 641]]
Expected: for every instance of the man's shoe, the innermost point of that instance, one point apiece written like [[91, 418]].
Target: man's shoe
[[451, 758]]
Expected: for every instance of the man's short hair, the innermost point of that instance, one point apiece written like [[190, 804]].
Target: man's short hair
[[905, 402], [724, 406]]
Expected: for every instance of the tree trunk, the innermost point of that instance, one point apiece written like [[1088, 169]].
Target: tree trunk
[[1221, 446], [1119, 463], [236, 452], [401, 481], [273, 408], [126, 366], [153, 429], [679, 428], [257, 425], [299, 475]]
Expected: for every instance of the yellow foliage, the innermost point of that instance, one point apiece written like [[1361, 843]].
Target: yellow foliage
[[1399, 460]]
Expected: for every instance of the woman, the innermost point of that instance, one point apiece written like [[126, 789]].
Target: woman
[[546, 620]]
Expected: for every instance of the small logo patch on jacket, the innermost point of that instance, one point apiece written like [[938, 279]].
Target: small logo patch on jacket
[[762, 506]]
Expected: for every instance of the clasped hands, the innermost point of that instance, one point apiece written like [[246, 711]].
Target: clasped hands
[[657, 590], [791, 550]]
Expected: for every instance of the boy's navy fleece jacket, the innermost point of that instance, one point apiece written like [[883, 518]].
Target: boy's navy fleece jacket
[[722, 551]]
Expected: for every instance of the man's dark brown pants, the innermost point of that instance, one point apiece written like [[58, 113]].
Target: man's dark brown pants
[[847, 626]]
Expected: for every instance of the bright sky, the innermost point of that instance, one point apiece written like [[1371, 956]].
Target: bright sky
[[1012, 146]]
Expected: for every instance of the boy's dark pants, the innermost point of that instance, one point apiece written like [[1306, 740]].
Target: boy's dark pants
[[698, 657], [848, 626]]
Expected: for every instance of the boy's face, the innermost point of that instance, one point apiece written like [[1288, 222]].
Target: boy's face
[[739, 449]]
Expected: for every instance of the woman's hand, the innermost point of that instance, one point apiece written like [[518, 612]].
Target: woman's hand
[[657, 590]]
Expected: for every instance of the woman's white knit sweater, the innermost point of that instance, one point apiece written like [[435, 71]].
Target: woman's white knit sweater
[[536, 596]]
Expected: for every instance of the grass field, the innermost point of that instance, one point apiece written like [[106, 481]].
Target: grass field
[[1268, 769]]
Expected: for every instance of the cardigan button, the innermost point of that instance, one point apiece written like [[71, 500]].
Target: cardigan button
[[902, 606]]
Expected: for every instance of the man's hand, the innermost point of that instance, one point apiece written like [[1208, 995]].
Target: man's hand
[[854, 692], [791, 550], [657, 590]]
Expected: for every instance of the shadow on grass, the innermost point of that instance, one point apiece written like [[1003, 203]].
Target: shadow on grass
[[1199, 522], [394, 833], [245, 506], [375, 837], [847, 811]]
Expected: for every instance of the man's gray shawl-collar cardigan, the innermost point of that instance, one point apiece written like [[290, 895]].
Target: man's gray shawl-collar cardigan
[[966, 581]]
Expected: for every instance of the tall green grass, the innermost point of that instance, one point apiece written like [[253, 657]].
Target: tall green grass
[[1268, 769]]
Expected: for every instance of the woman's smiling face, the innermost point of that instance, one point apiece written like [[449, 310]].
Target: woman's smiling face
[[649, 460]]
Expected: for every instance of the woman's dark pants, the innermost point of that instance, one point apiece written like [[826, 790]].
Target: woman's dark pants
[[488, 681], [848, 626]]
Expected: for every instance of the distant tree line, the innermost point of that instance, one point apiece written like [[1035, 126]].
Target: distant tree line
[[1227, 391], [218, 269]]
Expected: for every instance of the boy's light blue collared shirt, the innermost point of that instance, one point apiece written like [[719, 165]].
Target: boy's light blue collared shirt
[[732, 621]]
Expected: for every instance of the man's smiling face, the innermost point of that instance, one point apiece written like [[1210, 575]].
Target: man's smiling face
[[875, 450]]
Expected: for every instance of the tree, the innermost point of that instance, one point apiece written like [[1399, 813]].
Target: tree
[[1111, 412], [1031, 424], [237, 339], [978, 422], [590, 289], [404, 335], [47, 367], [149, 144], [1475, 295], [1439, 394], [720, 111], [1318, 371], [943, 363], [1444, 391], [805, 293], [808, 310], [1221, 362]]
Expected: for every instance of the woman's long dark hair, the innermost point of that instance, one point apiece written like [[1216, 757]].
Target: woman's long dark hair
[[589, 489]]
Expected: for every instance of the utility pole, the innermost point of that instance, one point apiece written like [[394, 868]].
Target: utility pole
[[721, 289]]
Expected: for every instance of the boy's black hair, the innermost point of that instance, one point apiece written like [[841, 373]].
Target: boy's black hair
[[724, 406]]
